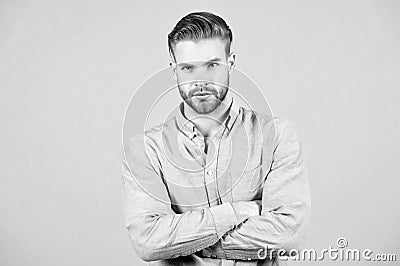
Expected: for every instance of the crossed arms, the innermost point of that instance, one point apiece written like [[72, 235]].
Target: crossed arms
[[240, 227]]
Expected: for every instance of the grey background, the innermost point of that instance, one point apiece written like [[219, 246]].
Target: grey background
[[68, 69]]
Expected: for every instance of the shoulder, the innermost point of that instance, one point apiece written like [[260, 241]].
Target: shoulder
[[275, 128], [152, 136], [284, 126], [266, 120]]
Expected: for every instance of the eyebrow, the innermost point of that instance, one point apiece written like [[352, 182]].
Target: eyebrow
[[215, 59]]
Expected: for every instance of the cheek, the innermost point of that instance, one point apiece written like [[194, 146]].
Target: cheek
[[220, 73], [184, 87], [220, 77], [184, 78], [183, 83]]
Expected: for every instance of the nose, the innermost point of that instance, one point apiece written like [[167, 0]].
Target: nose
[[200, 84], [201, 78]]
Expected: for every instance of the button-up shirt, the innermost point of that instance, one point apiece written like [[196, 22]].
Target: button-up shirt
[[248, 194]]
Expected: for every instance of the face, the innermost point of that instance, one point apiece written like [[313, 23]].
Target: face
[[202, 70]]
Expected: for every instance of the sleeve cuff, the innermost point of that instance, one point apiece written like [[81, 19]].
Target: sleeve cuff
[[244, 210], [224, 218]]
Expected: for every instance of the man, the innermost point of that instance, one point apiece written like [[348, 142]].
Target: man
[[215, 183]]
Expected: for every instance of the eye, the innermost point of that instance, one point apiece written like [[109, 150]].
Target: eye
[[213, 65], [186, 68]]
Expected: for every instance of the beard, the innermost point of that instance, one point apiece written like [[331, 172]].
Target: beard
[[205, 99]]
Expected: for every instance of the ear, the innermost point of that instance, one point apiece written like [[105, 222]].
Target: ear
[[231, 62], [173, 67]]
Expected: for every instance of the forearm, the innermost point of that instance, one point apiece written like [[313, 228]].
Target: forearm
[[271, 231], [168, 235], [244, 209], [164, 234]]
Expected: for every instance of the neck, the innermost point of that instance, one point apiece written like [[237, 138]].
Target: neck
[[208, 124]]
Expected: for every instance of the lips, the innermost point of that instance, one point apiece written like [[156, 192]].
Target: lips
[[202, 94]]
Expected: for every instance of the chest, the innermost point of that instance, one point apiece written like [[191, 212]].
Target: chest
[[233, 169]]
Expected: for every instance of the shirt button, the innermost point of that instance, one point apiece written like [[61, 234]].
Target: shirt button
[[209, 172]]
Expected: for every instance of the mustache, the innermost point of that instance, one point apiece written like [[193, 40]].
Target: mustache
[[203, 89]]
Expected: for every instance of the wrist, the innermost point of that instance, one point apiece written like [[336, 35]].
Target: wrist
[[245, 209]]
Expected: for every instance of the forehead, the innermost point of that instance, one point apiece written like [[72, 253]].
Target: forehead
[[199, 50]]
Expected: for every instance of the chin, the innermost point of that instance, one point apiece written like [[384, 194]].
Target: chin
[[205, 108]]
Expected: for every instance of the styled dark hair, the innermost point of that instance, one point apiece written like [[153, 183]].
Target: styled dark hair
[[200, 25]]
